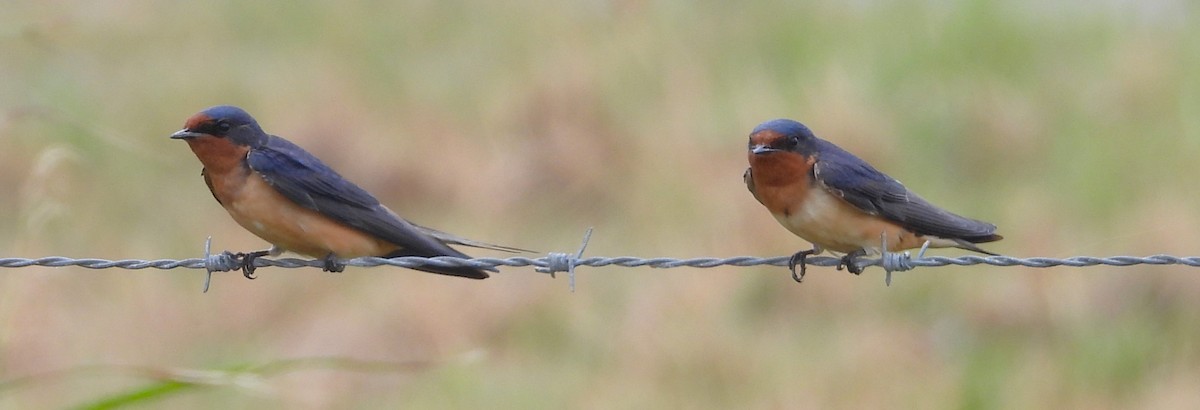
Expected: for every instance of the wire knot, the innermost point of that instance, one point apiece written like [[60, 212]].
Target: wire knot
[[558, 262], [565, 262], [221, 262], [896, 261]]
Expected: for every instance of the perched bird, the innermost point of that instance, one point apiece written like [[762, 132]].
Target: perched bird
[[838, 202], [283, 194]]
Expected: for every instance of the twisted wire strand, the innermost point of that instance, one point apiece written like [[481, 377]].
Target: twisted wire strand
[[553, 263]]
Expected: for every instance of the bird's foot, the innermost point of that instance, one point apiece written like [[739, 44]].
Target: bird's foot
[[332, 264], [799, 260], [246, 260], [848, 262]]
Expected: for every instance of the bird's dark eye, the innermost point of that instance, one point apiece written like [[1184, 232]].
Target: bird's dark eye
[[790, 142], [222, 127]]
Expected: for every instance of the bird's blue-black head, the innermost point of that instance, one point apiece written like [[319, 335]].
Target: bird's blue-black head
[[781, 135], [223, 121]]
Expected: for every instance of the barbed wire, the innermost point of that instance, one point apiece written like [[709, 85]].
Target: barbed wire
[[554, 263]]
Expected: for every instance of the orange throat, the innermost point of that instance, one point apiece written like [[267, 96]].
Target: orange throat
[[218, 155], [781, 169]]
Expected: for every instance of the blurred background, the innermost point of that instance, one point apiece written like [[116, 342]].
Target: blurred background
[[1073, 126]]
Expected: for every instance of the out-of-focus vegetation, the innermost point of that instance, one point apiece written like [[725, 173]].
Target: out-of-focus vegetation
[[1074, 126]]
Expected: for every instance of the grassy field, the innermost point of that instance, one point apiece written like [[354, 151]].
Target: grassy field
[[1074, 127]]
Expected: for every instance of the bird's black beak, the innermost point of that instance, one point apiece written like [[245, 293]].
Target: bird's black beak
[[184, 134], [757, 150]]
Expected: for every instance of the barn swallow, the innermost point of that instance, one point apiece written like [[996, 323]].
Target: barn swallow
[[841, 203], [283, 194]]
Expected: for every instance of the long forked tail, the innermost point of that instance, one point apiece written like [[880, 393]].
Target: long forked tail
[[457, 240]]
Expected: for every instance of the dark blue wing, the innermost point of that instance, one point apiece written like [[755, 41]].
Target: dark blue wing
[[873, 192], [307, 181]]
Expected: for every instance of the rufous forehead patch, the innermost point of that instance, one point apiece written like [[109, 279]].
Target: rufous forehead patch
[[195, 121], [765, 137]]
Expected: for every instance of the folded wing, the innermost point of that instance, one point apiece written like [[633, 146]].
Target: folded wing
[[875, 193], [307, 181]]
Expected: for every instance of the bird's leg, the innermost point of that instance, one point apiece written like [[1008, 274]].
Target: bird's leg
[[799, 260], [247, 261], [332, 264], [848, 261]]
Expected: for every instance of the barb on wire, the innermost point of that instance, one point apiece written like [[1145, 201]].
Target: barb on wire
[[565, 262], [558, 262]]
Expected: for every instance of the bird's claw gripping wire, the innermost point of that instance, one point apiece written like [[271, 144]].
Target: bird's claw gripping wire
[[246, 261], [853, 262], [850, 262], [800, 259], [332, 264]]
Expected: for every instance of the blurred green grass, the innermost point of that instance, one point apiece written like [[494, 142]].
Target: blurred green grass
[[1072, 126]]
